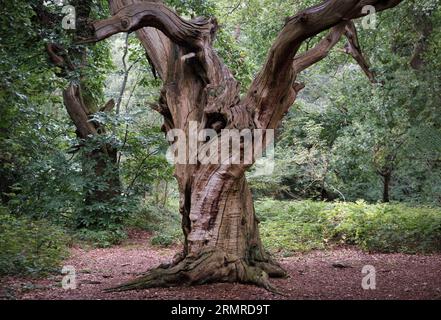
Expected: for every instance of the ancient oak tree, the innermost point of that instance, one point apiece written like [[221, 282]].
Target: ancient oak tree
[[222, 242]]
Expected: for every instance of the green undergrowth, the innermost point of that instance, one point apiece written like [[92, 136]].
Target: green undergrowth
[[162, 221], [301, 226], [30, 247]]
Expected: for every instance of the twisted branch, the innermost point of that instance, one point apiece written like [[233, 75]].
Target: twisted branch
[[190, 34]]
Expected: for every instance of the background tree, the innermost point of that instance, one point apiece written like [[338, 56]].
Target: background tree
[[83, 101]]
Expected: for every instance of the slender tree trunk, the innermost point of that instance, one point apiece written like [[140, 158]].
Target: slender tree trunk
[[6, 177], [6, 162], [386, 186], [164, 201]]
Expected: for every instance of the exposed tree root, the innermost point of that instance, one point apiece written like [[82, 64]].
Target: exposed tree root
[[208, 267]]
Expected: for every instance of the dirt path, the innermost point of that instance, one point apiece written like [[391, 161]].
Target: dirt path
[[317, 275]]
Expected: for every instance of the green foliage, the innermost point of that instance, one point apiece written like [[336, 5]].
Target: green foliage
[[45, 184], [193, 8], [105, 215], [344, 133], [291, 226], [29, 246], [39, 178], [162, 221], [300, 226], [100, 238], [235, 58], [387, 228], [166, 238]]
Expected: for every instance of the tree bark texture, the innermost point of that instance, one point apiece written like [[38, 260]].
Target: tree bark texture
[[222, 242]]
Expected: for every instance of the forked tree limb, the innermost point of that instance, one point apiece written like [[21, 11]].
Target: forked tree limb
[[273, 90], [307, 24], [160, 31], [272, 93], [320, 50]]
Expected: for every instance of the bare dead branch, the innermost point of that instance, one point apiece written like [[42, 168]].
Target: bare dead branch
[[322, 49], [306, 24]]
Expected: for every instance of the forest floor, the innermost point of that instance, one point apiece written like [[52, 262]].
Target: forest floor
[[334, 274]]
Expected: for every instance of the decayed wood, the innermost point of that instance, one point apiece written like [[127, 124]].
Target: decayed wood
[[222, 241]]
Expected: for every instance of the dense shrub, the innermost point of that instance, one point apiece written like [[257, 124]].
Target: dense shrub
[[308, 225], [101, 238], [386, 228], [162, 221], [291, 226], [28, 246]]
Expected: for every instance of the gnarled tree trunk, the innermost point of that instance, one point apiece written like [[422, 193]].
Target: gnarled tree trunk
[[222, 242], [221, 230]]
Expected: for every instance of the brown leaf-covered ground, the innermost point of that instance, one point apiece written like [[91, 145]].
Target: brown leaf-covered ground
[[332, 274]]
